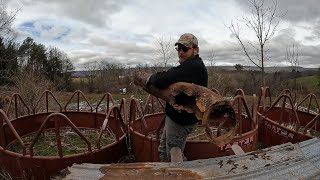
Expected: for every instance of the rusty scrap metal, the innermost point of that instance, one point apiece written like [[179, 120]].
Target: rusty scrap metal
[[207, 105], [246, 166], [27, 165]]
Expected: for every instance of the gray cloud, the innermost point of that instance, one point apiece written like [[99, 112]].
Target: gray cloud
[[293, 10], [94, 12], [125, 31]]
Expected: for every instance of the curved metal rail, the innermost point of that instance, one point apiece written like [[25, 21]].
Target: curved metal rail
[[309, 97], [2, 134], [123, 109], [57, 132], [151, 98], [264, 94], [78, 93], [115, 111], [134, 108], [241, 102], [314, 123], [46, 93], [14, 99], [283, 109], [109, 98]]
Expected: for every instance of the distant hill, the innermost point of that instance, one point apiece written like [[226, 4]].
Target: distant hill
[[228, 68], [267, 69], [78, 74]]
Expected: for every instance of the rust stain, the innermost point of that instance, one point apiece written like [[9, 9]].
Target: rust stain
[[141, 171]]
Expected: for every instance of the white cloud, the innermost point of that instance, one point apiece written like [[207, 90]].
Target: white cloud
[[126, 31]]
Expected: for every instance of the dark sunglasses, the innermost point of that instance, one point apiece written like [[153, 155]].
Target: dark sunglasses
[[183, 48]]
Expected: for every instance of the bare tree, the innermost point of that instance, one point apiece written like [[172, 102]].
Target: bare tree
[[263, 23], [6, 19], [212, 59], [109, 76], [238, 67], [292, 57], [91, 74], [164, 50]]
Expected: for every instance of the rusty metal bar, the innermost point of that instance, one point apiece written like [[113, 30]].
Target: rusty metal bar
[[264, 94], [283, 107], [309, 97], [15, 96], [116, 113], [109, 97], [146, 103], [240, 92], [286, 96], [286, 91], [2, 133], [152, 104], [135, 107], [240, 99], [314, 121], [47, 93], [16, 106], [254, 110], [47, 103], [78, 93], [57, 128], [240, 117], [58, 137], [161, 104], [123, 108]]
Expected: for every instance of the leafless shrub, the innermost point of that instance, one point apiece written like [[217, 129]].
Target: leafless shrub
[[30, 87]]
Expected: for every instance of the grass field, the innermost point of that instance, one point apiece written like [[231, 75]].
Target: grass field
[[309, 81]]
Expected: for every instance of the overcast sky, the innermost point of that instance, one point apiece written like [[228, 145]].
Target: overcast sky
[[125, 31]]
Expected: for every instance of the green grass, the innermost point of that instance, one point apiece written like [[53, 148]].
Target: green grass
[[312, 82], [71, 142], [79, 79]]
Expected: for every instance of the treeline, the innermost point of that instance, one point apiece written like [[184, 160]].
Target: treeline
[[227, 82], [36, 59]]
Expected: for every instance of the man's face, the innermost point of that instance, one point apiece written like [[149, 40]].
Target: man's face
[[185, 53]]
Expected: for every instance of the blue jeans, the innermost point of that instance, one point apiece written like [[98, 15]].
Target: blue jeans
[[174, 135]]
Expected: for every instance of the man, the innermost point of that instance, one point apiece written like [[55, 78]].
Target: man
[[178, 125]]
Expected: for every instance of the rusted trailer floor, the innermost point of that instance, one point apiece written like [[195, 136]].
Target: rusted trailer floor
[[293, 161]]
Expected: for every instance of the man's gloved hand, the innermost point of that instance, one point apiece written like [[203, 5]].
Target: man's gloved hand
[[140, 78]]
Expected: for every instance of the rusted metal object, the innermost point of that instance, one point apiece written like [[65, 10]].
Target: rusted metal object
[[26, 165], [78, 94], [283, 160], [46, 94], [109, 99], [15, 99], [207, 105], [150, 105], [310, 98], [285, 123], [145, 148]]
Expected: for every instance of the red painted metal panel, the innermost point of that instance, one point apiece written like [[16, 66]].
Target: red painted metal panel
[[145, 149]]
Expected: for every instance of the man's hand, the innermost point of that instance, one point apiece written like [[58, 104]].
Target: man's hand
[[140, 78]]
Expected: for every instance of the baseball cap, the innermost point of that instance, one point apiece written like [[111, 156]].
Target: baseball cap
[[188, 40]]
